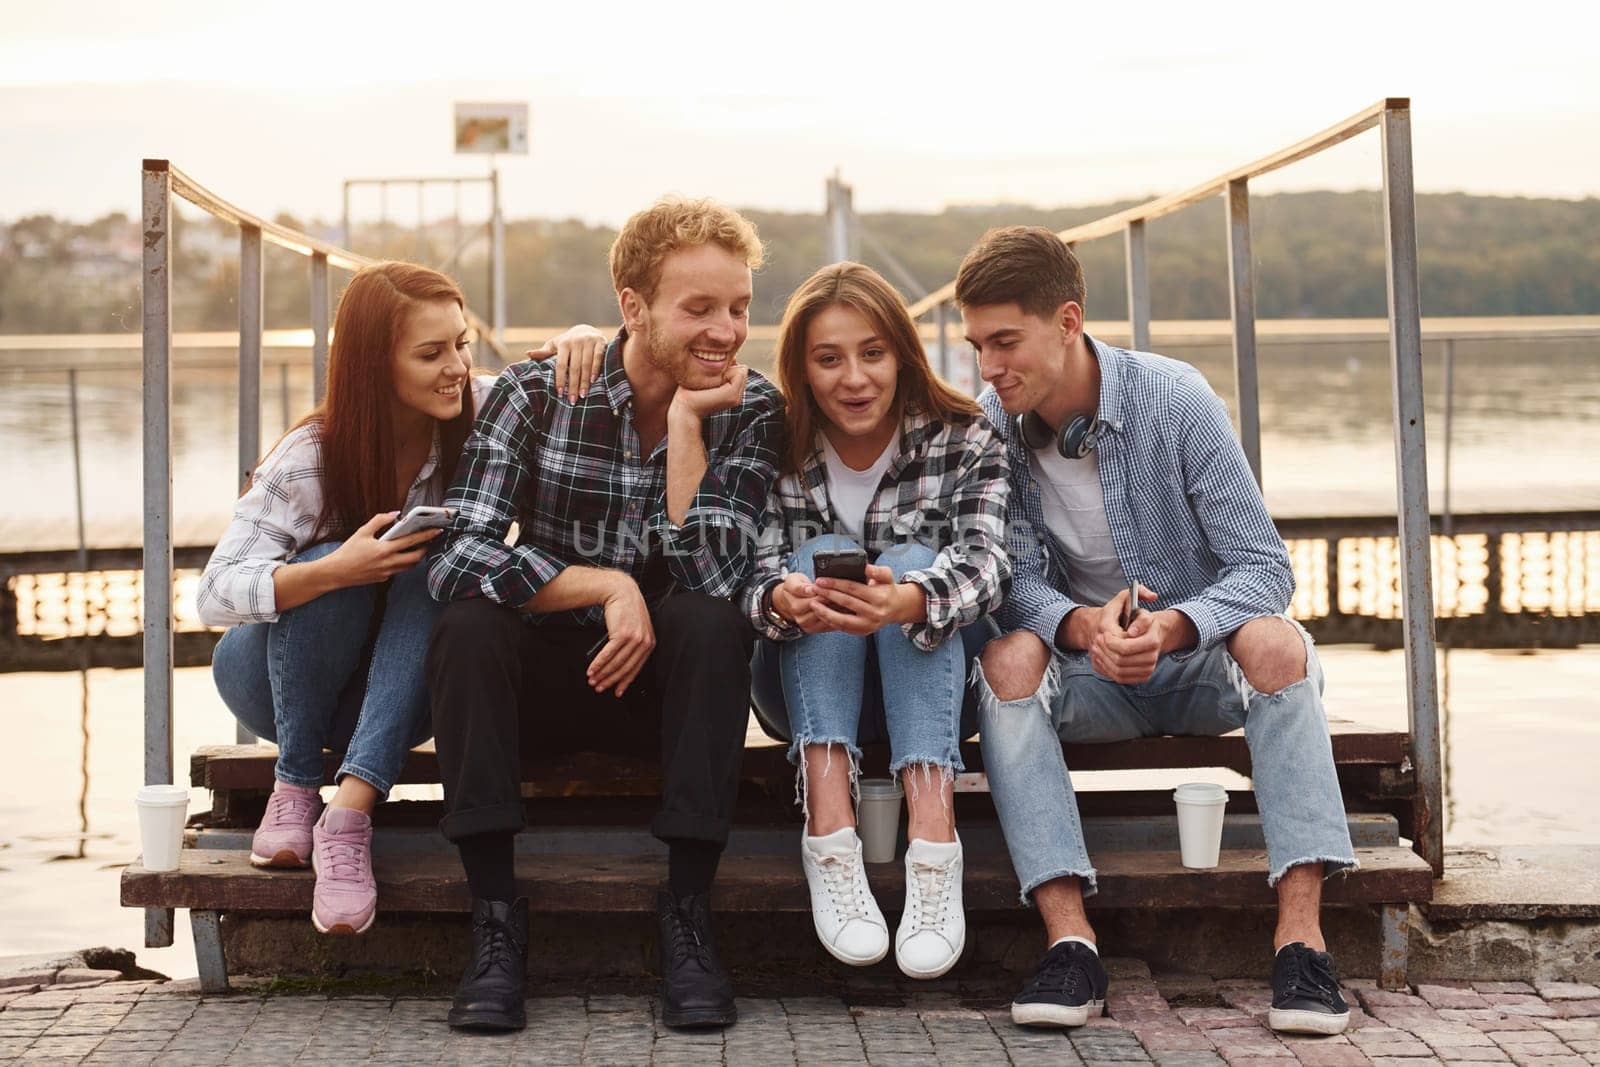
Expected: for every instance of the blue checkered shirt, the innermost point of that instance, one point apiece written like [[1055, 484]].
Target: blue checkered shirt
[[1187, 519]]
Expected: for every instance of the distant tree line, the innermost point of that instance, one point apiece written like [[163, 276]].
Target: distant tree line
[[1318, 255]]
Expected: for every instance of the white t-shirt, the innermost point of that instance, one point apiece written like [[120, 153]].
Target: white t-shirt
[[1075, 515], [850, 491]]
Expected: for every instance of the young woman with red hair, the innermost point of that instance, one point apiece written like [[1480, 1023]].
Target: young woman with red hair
[[330, 624]]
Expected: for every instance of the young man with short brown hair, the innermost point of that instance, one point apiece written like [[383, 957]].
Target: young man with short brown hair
[[1124, 469]]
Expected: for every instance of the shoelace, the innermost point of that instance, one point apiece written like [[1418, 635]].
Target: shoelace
[[344, 858], [497, 945], [687, 939], [839, 876], [286, 809], [933, 892], [1312, 975], [1062, 969]]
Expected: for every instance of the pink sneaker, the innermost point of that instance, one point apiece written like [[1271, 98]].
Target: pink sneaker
[[346, 898], [284, 837]]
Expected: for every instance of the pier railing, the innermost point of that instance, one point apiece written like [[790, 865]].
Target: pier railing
[[1392, 118], [160, 181]]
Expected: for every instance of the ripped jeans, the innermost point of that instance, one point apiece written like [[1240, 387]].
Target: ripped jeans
[[837, 688], [1206, 694]]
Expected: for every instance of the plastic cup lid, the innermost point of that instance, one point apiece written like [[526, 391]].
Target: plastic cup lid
[[163, 794], [1200, 793], [880, 787]]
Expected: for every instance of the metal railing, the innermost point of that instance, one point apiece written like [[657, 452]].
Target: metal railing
[[1392, 118], [160, 181]]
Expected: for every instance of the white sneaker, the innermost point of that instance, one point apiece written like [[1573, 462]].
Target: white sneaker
[[846, 916], [933, 928]]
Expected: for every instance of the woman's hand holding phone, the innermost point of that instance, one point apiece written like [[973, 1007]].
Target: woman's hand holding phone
[[364, 559], [863, 609], [795, 598]]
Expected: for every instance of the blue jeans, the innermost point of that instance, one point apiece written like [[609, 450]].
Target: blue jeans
[[309, 681], [1291, 758], [837, 688]]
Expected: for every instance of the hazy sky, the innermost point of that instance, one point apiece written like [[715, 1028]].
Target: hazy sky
[[919, 105]]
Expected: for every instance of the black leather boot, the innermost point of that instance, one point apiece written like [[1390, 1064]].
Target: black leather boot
[[695, 989], [490, 994]]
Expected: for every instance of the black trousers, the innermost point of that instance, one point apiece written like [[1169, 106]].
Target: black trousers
[[500, 687]]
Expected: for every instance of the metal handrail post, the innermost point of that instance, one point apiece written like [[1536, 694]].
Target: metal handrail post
[[497, 240], [156, 282], [1138, 286], [1411, 462], [943, 317], [250, 299], [1242, 310], [251, 292], [319, 326]]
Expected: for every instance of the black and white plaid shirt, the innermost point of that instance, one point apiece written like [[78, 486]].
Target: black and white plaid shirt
[[947, 489], [574, 480]]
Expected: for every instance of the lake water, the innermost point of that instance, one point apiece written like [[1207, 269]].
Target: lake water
[[1526, 430]]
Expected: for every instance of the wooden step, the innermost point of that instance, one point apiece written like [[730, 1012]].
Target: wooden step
[[249, 767], [978, 835], [224, 881]]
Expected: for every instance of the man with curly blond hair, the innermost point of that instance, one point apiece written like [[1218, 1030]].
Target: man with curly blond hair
[[608, 624]]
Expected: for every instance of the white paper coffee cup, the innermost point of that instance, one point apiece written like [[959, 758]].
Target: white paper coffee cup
[[163, 810], [1200, 809], [879, 818]]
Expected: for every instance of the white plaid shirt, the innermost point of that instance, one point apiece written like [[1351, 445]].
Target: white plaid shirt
[[1187, 519], [276, 519], [946, 489]]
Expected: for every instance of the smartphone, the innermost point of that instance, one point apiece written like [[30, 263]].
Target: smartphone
[[1133, 604], [422, 517], [849, 564]]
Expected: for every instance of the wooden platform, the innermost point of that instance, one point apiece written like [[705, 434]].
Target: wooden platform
[[587, 854], [225, 881]]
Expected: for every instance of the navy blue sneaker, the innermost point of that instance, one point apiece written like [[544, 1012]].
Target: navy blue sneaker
[[1068, 988], [1305, 992]]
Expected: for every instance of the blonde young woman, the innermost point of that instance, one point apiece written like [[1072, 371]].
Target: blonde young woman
[[883, 456]]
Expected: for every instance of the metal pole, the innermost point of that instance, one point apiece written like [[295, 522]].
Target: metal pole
[[283, 393], [319, 326], [156, 218], [1411, 462], [943, 313], [455, 233], [251, 290], [838, 220], [1447, 525], [250, 299], [422, 214], [1242, 308], [77, 490], [1138, 286], [497, 307]]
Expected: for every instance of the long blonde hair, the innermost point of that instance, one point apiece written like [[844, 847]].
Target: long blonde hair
[[862, 289]]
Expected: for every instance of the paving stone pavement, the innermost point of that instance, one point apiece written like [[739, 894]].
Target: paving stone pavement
[[1166, 1021]]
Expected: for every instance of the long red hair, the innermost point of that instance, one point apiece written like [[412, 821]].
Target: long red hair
[[358, 479]]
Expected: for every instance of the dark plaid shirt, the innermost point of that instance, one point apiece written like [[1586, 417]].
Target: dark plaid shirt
[[574, 480]]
